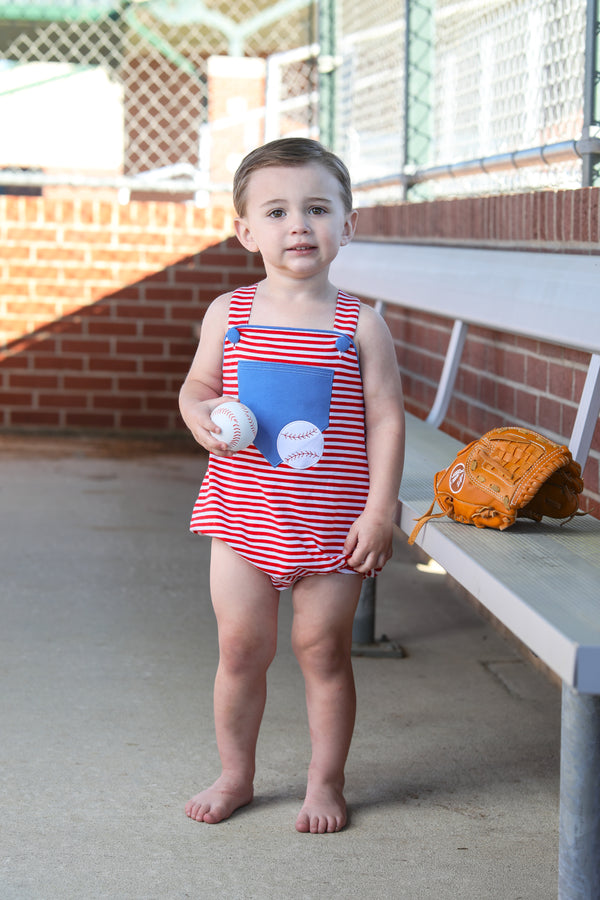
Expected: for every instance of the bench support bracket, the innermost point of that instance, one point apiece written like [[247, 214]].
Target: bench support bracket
[[579, 848]]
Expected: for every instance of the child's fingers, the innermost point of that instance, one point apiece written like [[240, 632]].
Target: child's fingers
[[351, 540]]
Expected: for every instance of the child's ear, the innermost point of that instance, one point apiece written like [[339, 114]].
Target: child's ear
[[244, 235], [349, 227]]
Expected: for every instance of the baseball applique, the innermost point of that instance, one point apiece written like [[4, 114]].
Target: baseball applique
[[300, 444]]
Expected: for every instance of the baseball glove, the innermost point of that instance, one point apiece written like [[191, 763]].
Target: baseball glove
[[509, 472]]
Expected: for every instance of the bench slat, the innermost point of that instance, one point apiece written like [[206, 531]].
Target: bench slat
[[546, 296]]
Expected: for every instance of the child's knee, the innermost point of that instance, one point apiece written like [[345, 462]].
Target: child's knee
[[242, 653], [324, 653]]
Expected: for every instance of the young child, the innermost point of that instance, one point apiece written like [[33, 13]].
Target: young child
[[308, 360]]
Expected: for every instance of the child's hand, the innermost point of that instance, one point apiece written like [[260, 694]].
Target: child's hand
[[369, 543], [204, 430]]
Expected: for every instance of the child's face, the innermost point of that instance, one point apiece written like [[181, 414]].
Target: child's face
[[296, 218]]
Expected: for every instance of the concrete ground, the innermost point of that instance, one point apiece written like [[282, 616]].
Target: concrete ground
[[107, 656]]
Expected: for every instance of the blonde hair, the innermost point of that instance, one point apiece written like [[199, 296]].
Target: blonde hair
[[289, 152]]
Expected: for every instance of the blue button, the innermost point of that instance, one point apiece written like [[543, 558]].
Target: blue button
[[343, 343], [233, 335]]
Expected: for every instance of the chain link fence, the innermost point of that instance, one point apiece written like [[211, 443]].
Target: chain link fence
[[444, 96], [498, 82], [121, 95]]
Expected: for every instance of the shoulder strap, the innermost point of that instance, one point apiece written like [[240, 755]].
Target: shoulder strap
[[240, 306], [346, 313]]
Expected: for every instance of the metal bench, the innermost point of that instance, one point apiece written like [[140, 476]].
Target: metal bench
[[541, 580]]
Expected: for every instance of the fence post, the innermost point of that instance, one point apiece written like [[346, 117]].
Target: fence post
[[591, 104]]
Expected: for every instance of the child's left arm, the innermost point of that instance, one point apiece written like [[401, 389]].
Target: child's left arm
[[369, 541]]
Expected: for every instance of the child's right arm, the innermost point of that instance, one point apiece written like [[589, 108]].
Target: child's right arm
[[202, 389]]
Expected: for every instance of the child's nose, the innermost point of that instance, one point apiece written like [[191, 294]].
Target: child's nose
[[300, 223]]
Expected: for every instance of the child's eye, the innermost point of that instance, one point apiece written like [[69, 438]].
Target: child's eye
[[276, 213], [317, 211]]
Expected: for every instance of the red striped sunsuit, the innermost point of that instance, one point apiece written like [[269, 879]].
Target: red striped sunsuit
[[287, 504]]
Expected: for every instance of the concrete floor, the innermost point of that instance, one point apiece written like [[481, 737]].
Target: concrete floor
[[107, 656]]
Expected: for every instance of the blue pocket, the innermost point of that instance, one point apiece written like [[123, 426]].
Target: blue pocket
[[280, 393]]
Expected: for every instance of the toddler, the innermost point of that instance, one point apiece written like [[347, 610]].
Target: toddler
[[310, 504]]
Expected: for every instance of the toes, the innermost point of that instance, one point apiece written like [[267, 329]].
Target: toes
[[196, 811], [303, 823], [323, 825], [319, 824]]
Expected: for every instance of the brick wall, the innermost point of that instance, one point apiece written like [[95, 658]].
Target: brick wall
[[99, 303], [503, 379], [98, 308]]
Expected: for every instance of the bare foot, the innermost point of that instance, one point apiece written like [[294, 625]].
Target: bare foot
[[323, 811], [219, 801]]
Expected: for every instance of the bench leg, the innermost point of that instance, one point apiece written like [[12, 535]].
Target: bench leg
[[579, 832], [363, 630]]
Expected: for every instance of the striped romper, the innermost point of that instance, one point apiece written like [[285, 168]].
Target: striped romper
[[287, 502]]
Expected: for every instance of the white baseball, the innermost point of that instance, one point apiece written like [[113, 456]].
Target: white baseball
[[300, 444], [237, 423]]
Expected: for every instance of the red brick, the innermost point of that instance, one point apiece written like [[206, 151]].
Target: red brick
[[192, 313], [84, 346], [560, 381], [75, 292], [487, 390], [52, 362], [512, 365], [35, 418], [87, 383], [526, 405], [537, 373], [581, 227], [506, 399], [140, 311], [116, 402], [167, 403], [32, 380], [30, 236], [62, 400], [12, 398], [594, 235], [143, 383], [110, 328], [550, 418], [167, 366], [112, 364], [89, 420], [168, 295], [149, 421], [141, 348], [171, 330], [182, 348], [61, 254], [568, 420], [14, 251]]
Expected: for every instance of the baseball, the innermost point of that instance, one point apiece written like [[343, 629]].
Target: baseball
[[237, 423], [300, 444]]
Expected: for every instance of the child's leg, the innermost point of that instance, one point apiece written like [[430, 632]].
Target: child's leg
[[324, 607], [246, 606]]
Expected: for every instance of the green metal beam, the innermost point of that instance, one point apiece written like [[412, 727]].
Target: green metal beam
[[55, 11], [327, 72], [419, 49]]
